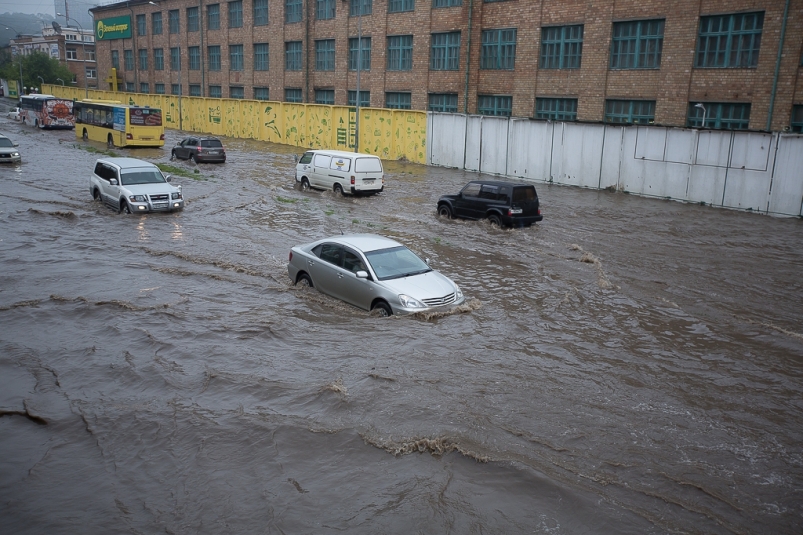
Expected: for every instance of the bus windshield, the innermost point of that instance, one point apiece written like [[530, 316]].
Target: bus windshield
[[147, 176]]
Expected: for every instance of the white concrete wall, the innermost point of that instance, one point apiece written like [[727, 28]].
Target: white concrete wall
[[741, 170]]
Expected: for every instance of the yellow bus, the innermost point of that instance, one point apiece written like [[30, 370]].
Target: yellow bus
[[118, 124]]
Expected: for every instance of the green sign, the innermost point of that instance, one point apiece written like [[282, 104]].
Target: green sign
[[113, 28]]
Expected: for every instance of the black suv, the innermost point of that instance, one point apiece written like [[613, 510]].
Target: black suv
[[502, 203]]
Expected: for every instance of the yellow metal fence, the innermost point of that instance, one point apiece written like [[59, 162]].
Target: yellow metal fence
[[389, 134]]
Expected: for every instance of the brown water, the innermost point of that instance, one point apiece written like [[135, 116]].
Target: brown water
[[627, 366]]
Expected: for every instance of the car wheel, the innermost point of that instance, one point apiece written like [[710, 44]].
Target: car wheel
[[445, 211], [110, 141], [304, 184], [494, 220], [304, 280], [124, 207], [338, 189], [194, 160], [96, 194], [382, 309], [85, 135]]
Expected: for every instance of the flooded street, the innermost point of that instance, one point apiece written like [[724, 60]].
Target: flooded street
[[626, 366]]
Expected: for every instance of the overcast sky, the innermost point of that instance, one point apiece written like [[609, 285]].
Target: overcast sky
[[28, 6]]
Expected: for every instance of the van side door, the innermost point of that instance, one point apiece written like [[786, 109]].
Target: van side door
[[320, 170]]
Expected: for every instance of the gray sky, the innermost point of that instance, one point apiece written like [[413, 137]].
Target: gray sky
[[28, 6]]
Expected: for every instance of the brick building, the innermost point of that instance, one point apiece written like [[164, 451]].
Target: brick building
[[72, 46], [632, 61]]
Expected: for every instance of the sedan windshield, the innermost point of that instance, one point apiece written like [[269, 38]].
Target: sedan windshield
[[395, 263], [133, 178]]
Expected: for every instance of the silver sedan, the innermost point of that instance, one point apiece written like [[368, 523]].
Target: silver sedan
[[373, 273]]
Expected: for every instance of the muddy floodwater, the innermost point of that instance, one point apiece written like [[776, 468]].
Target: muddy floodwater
[[626, 366]]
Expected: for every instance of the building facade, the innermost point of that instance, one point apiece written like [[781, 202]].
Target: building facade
[[73, 47], [731, 64]]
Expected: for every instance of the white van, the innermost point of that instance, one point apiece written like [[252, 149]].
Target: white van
[[341, 172]]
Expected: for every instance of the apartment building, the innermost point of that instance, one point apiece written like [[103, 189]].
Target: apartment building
[[731, 64], [74, 47]]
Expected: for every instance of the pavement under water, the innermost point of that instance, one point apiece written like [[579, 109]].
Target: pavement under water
[[628, 365]]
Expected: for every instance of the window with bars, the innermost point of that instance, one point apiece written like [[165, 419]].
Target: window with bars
[[213, 57], [363, 49], [215, 91], [261, 93], [175, 89], [141, 25], [195, 57], [236, 59], [729, 41], [360, 7], [796, 123], [325, 55], [400, 53], [292, 56], [445, 52], [446, 3], [175, 59], [293, 95], [398, 101], [556, 109], [325, 96], [365, 98], [156, 23], [116, 59], [195, 90], [159, 89], [236, 91], [260, 12], [213, 17], [143, 59], [261, 57], [158, 59], [236, 14], [561, 47], [443, 102], [172, 21], [495, 105], [637, 44], [129, 87], [398, 6], [144, 87], [325, 9], [719, 115], [498, 50], [292, 11], [193, 21], [128, 57], [630, 111]]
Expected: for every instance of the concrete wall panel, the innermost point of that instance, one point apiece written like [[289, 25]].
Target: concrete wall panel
[[493, 158], [579, 161], [530, 149], [473, 142], [446, 135], [787, 182]]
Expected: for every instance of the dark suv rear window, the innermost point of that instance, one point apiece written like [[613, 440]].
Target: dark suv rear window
[[211, 143], [524, 194]]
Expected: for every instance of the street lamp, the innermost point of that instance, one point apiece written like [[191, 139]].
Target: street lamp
[[60, 80], [700, 105], [83, 46], [43, 82], [19, 53]]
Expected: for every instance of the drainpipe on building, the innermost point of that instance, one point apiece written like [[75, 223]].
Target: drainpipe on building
[[777, 67], [134, 52], [306, 53], [203, 65], [468, 56]]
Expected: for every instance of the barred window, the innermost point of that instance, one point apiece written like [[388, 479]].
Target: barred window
[[175, 89], [292, 56], [398, 101], [213, 17], [195, 58], [158, 59], [365, 98], [159, 89], [630, 111], [175, 59], [637, 44], [400, 53], [325, 9], [144, 88], [236, 91], [556, 109], [363, 49], [172, 21], [561, 47], [445, 52], [215, 91], [444, 102], [719, 115], [193, 21], [236, 61], [116, 59], [729, 40], [213, 55], [397, 6], [446, 3], [261, 93], [494, 105], [260, 12], [292, 10], [128, 56], [325, 96], [797, 118], [141, 25], [129, 87], [360, 7], [325, 55], [236, 14], [195, 90], [143, 59], [261, 57], [293, 95], [156, 23], [498, 49]]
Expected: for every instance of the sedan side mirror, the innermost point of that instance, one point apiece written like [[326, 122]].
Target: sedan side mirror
[[361, 274]]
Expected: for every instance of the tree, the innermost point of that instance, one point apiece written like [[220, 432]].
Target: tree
[[33, 66]]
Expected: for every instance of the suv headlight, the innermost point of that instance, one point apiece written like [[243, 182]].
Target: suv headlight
[[409, 302], [458, 293], [136, 198], [175, 195]]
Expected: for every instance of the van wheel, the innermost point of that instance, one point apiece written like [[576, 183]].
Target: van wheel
[[110, 141], [494, 220], [382, 309], [304, 184], [338, 189], [304, 280], [85, 135], [445, 211]]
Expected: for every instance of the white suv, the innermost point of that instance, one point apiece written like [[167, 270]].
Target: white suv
[[341, 172], [132, 185]]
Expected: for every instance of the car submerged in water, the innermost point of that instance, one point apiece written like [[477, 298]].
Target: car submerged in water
[[373, 273], [509, 204]]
